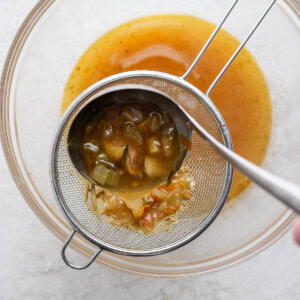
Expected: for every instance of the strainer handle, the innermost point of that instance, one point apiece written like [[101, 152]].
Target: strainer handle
[[285, 191], [68, 263], [237, 51]]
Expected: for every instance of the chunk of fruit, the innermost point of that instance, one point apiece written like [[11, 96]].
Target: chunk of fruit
[[154, 167], [156, 121]]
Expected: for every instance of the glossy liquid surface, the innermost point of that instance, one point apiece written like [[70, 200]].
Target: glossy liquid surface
[[169, 43], [130, 149]]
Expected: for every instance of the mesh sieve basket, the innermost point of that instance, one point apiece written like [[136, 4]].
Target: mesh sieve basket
[[211, 173]]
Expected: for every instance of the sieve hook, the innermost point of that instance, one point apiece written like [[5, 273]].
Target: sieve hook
[[237, 51], [68, 263]]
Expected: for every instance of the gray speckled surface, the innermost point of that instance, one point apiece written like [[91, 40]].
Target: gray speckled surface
[[31, 266]]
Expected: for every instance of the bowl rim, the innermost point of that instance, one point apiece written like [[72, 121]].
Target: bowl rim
[[261, 242]]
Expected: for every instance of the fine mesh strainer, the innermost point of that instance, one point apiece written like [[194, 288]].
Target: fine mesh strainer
[[212, 173]]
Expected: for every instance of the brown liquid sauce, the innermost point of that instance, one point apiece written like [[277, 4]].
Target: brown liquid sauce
[[169, 43], [131, 148]]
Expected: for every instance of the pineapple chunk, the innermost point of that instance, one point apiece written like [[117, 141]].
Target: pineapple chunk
[[154, 167]]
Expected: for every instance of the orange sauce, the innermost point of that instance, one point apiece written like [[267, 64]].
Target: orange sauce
[[169, 43]]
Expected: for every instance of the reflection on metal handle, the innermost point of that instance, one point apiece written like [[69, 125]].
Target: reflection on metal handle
[[192, 66], [67, 262], [282, 189], [237, 51]]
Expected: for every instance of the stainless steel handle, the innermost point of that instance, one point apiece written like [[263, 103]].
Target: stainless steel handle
[[285, 191], [68, 263], [237, 51], [295, 5]]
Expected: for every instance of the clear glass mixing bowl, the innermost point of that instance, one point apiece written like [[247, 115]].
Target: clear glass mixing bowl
[[46, 48]]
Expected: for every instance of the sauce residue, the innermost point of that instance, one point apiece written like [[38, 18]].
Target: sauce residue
[[169, 43]]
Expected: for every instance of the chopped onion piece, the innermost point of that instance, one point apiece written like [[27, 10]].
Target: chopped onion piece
[[113, 203], [148, 201], [131, 132], [156, 121], [137, 115], [136, 206], [163, 206], [158, 195], [154, 167], [127, 116], [100, 174], [154, 145], [132, 114]]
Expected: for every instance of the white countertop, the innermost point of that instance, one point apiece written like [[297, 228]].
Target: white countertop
[[31, 266]]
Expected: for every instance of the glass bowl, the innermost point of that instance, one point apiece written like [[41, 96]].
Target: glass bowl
[[46, 48]]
